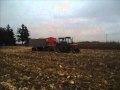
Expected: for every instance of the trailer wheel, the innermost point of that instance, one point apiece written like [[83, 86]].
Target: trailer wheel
[[34, 49], [51, 48]]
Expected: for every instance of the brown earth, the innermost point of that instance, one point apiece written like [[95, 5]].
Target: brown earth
[[22, 69]]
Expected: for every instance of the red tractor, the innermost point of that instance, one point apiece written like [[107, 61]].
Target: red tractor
[[63, 44]]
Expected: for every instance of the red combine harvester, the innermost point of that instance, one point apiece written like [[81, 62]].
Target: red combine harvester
[[62, 44]]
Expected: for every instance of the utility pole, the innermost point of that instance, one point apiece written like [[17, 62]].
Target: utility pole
[[106, 37]]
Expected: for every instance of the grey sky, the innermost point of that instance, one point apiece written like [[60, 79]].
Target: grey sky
[[87, 20]]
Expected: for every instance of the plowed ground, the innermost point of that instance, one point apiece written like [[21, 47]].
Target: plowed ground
[[23, 69]]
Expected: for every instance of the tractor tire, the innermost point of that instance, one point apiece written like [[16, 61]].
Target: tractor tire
[[77, 50], [64, 47]]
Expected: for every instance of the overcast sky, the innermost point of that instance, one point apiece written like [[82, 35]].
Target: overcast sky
[[84, 20]]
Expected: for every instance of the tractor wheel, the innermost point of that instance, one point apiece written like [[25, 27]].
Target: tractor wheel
[[77, 50], [64, 47]]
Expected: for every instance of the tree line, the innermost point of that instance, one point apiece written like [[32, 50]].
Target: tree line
[[7, 36]]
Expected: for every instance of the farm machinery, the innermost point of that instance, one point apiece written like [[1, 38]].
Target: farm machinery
[[61, 44]]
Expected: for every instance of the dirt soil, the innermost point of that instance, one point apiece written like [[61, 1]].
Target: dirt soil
[[23, 69]]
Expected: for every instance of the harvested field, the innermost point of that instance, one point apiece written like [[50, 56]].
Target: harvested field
[[22, 69]]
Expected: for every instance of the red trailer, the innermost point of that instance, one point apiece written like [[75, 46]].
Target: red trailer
[[43, 44], [51, 43]]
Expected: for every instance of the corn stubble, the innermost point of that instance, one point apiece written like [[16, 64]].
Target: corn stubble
[[22, 69]]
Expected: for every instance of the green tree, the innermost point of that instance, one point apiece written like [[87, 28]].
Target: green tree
[[2, 36], [23, 34], [7, 36], [10, 36]]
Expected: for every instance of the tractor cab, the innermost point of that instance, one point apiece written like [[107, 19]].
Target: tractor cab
[[65, 44], [65, 39]]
